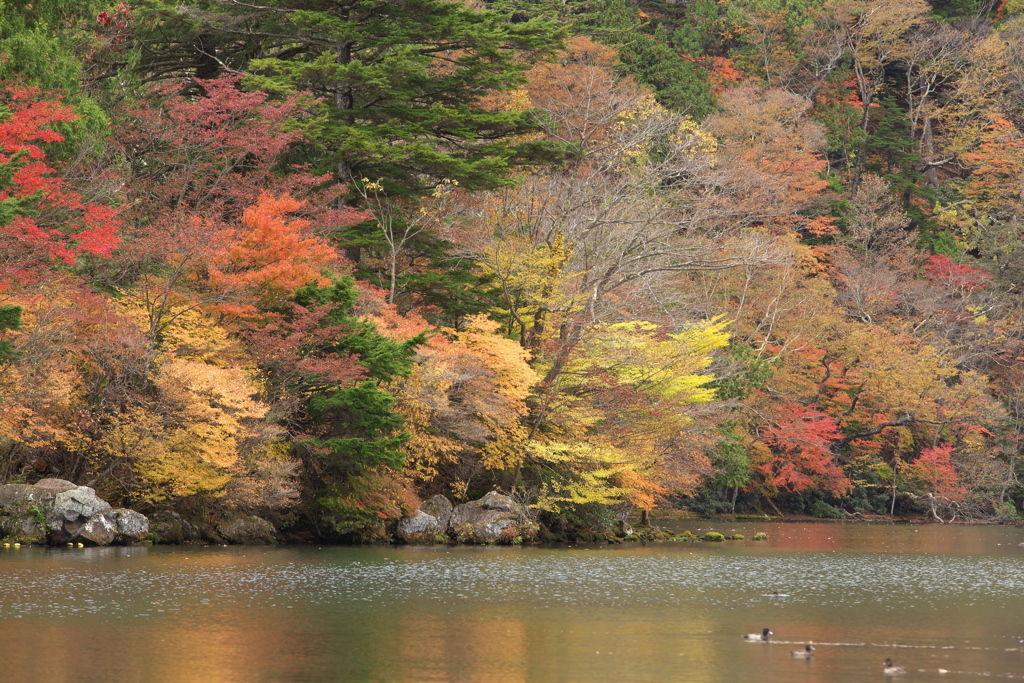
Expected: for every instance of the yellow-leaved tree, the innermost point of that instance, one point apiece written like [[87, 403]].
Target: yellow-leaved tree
[[580, 256], [618, 414], [199, 431], [463, 403]]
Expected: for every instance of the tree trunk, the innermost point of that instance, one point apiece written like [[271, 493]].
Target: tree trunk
[[932, 173], [861, 147], [892, 505], [515, 475], [6, 463], [343, 100]]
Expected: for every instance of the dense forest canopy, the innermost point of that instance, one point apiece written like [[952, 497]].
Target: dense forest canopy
[[319, 261]]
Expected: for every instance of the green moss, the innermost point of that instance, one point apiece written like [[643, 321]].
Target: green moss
[[15, 526], [631, 537], [739, 537], [687, 535], [760, 536], [713, 537]]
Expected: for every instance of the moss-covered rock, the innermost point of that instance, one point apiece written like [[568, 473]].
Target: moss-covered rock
[[167, 526], [738, 537], [247, 530], [760, 536], [23, 513], [495, 518], [713, 537]]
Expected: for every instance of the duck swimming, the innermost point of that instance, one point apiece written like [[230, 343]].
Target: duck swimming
[[891, 669], [805, 653], [759, 637]]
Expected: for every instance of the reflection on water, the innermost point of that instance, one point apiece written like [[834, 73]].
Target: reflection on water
[[930, 597]]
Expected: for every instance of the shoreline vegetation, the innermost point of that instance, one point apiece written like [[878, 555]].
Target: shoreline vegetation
[[493, 271], [56, 512]]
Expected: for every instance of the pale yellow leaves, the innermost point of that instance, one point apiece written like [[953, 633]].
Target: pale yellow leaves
[[188, 440]]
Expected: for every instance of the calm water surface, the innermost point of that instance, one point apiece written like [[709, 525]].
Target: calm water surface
[[930, 597]]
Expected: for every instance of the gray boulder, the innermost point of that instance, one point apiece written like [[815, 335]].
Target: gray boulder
[[23, 513], [129, 526], [58, 511], [247, 530], [71, 514], [440, 508], [429, 522], [98, 530], [167, 526], [15, 494], [495, 518], [55, 486], [116, 526]]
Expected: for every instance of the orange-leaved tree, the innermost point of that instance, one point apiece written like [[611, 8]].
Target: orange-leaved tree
[[270, 257]]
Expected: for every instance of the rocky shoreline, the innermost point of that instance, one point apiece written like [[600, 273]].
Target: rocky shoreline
[[59, 512]]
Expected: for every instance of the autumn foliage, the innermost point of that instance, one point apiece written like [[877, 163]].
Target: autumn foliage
[[771, 264], [42, 218], [270, 256], [802, 439]]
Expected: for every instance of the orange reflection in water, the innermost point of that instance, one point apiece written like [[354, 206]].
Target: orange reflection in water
[[468, 648], [240, 645]]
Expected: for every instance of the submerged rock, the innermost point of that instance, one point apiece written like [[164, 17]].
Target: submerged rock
[[495, 518]]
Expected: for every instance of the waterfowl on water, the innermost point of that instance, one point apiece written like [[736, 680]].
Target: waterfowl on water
[[759, 637], [805, 653], [891, 669]]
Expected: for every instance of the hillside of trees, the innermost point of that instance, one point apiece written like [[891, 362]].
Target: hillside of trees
[[318, 261]]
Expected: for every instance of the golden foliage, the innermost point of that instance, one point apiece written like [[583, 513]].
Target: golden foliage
[[465, 398], [619, 410], [189, 439]]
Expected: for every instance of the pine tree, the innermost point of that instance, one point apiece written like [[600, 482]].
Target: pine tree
[[399, 83], [10, 319]]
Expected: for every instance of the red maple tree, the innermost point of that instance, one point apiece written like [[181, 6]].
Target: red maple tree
[[801, 440], [42, 218], [958, 278]]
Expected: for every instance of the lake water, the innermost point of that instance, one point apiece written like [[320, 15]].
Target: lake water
[[929, 597]]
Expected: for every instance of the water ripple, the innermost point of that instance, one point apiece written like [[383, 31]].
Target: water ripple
[[578, 579]]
